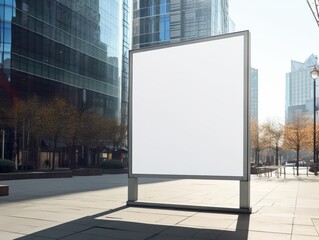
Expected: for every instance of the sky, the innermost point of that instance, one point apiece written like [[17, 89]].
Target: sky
[[281, 31]]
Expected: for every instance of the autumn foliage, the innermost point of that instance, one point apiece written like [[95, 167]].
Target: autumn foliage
[[60, 124]]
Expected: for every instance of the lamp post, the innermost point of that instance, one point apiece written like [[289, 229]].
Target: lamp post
[[314, 74], [314, 7]]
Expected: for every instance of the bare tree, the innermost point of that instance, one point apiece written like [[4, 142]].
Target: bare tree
[[296, 135], [118, 133], [57, 122], [273, 134], [310, 146], [257, 140], [22, 119]]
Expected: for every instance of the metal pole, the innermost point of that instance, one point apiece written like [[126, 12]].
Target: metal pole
[[244, 194], [314, 121], [284, 172], [3, 133], [132, 189]]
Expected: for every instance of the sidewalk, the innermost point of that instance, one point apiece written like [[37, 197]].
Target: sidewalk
[[94, 208]]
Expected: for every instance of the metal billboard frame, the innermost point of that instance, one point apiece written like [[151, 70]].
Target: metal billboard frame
[[244, 196]]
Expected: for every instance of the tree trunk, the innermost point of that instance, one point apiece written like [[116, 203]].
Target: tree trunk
[[28, 145], [54, 149], [38, 152], [297, 164], [15, 147], [277, 153], [72, 156], [23, 162]]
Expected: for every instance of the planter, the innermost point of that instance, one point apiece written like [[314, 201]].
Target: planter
[[4, 190]]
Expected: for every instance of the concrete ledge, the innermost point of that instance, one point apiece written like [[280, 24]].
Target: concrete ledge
[[60, 174], [4, 190], [35, 175]]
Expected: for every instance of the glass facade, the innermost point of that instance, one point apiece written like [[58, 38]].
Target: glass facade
[[125, 58], [166, 21], [254, 93], [220, 18], [151, 22], [299, 88], [75, 49]]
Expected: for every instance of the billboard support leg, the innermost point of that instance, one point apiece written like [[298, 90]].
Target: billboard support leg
[[244, 195], [132, 189]]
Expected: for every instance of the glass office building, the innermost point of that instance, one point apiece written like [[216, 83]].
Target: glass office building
[[166, 21], [75, 49], [299, 88], [254, 93]]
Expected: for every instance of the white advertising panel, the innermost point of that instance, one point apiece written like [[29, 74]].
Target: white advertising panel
[[188, 109]]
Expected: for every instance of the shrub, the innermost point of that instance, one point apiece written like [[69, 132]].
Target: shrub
[[6, 166], [111, 164]]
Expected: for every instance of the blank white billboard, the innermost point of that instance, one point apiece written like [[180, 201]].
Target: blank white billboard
[[188, 109]]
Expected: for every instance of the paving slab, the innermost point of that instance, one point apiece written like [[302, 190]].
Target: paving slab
[[298, 237], [305, 230], [252, 235], [9, 235]]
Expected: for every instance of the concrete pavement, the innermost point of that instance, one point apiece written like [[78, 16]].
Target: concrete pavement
[[94, 208]]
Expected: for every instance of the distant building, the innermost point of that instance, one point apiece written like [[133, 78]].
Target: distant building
[[299, 88], [231, 26], [167, 21], [254, 93]]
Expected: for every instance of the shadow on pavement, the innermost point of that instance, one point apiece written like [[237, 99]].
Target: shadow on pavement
[[98, 229]]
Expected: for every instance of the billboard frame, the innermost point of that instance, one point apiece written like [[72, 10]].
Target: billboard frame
[[244, 180]]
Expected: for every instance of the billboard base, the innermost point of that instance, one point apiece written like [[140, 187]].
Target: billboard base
[[187, 207], [244, 200]]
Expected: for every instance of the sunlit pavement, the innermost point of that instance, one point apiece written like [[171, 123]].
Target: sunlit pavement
[[94, 208]]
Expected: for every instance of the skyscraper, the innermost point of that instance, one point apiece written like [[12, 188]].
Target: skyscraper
[[299, 88], [167, 21], [74, 49], [254, 94]]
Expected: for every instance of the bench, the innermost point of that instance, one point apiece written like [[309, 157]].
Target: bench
[[4, 190]]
